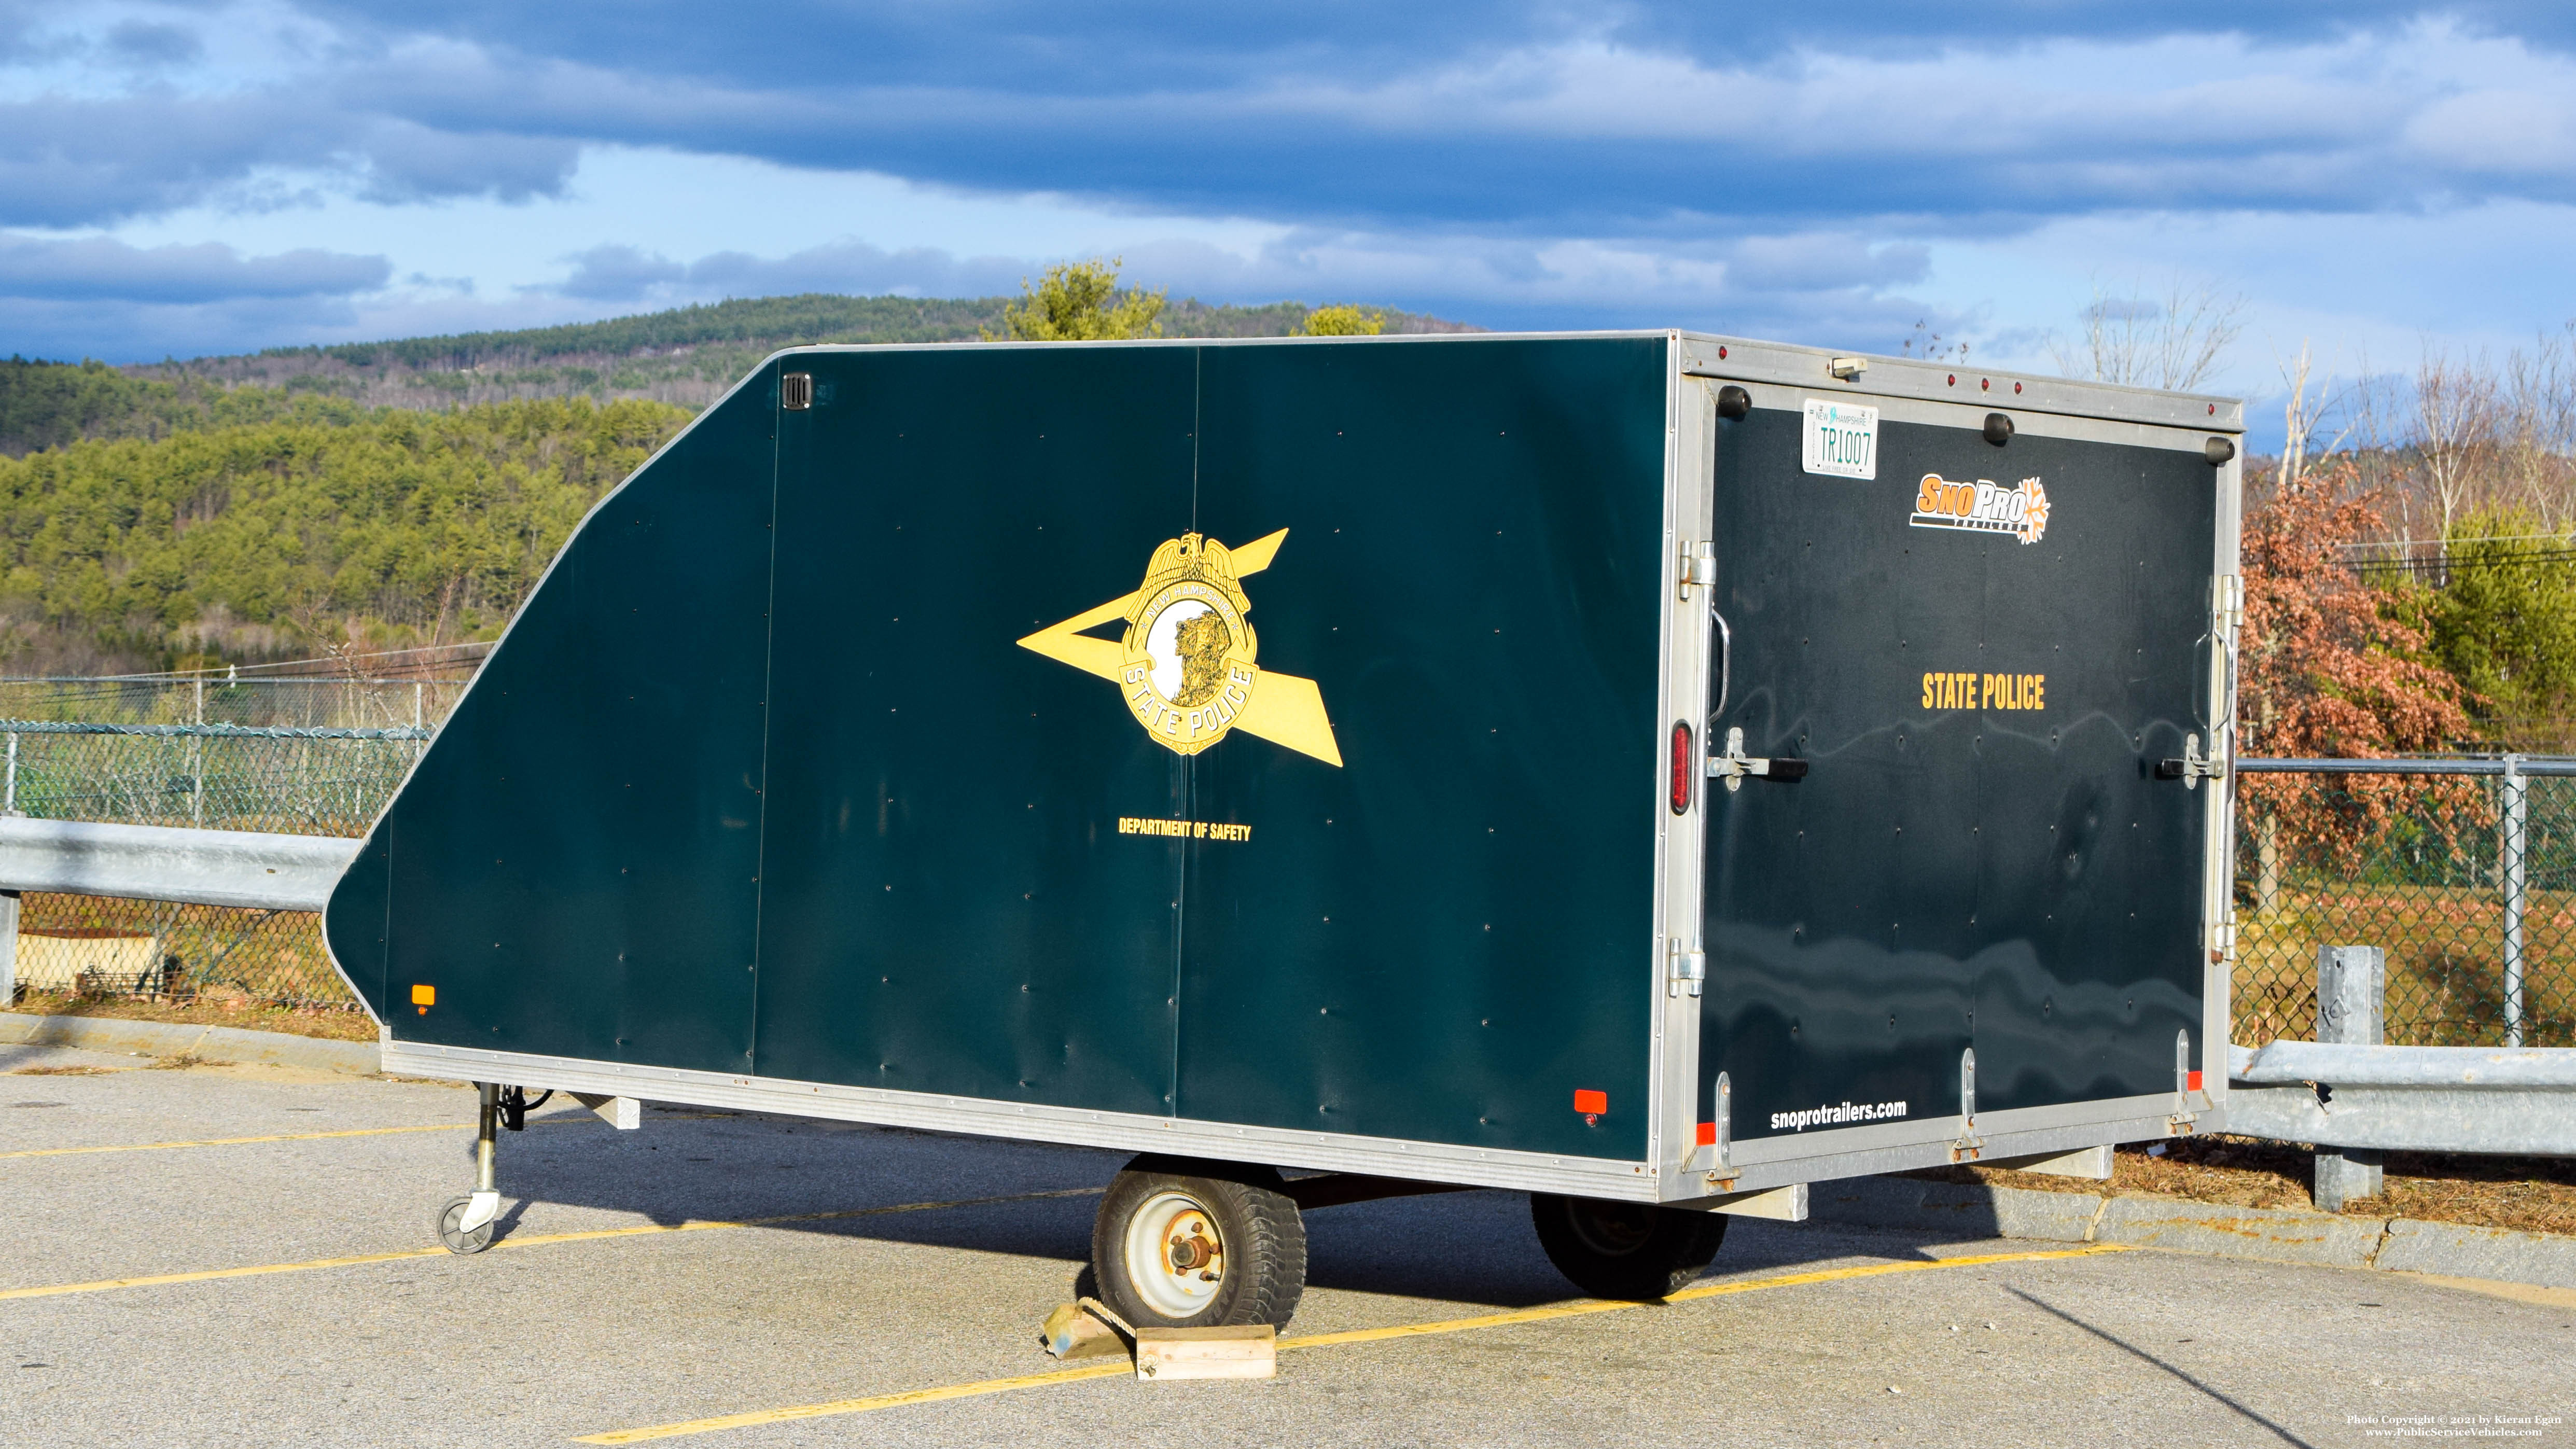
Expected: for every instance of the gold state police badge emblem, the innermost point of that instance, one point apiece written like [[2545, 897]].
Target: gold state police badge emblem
[[1186, 663]]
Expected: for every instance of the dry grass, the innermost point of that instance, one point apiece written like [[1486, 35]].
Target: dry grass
[[2524, 1194], [61, 1071], [208, 1011]]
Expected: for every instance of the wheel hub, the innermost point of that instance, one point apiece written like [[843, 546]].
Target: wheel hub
[[1175, 1254]]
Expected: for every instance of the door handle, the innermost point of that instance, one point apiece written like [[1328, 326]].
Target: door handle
[[1725, 665]]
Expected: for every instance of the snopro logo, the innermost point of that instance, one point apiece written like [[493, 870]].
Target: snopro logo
[[1983, 506]]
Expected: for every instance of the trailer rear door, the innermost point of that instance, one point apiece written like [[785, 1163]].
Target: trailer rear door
[[1982, 651]]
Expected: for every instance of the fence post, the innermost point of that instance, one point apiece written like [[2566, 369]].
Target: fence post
[[8, 948], [197, 762], [9, 805], [2515, 872], [2352, 985]]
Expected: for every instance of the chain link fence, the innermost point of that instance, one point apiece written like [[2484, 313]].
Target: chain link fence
[[282, 779], [2463, 871], [289, 781], [296, 756], [95, 947], [296, 702]]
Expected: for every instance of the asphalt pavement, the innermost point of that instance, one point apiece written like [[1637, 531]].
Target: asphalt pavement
[[242, 1255]]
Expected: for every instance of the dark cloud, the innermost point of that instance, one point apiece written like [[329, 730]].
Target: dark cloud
[[139, 43], [99, 269], [407, 161], [623, 274], [1127, 47], [1646, 119]]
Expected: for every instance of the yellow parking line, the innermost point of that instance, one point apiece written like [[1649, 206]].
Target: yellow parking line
[[1320, 1340], [1113, 1369], [574, 1119], [235, 1141], [207, 1275]]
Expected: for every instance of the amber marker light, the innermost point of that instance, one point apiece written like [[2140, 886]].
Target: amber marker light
[[424, 997]]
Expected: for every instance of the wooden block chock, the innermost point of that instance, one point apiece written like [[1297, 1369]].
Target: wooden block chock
[[1072, 1331], [1248, 1352]]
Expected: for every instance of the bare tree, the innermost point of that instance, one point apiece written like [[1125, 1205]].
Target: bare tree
[[2537, 437], [2455, 425], [2173, 340]]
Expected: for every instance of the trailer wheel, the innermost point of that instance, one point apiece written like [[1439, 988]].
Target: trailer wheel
[[1625, 1250], [1199, 1244], [449, 1214]]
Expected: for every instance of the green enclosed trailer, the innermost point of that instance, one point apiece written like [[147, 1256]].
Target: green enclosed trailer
[[1651, 771]]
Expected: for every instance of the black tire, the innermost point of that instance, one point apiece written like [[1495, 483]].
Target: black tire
[[1623, 1250], [1248, 1240], [444, 1221]]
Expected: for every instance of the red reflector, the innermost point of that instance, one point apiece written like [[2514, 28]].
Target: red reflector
[[2191, 1081], [1708, 1134], [1681, 767], [1591, 1103]]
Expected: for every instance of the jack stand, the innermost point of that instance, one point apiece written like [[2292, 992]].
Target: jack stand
[[464, 1224]]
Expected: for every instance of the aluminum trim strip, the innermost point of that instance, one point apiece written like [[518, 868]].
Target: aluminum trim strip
[[1942, 1131], [1751, 360], [1073, 1126], [1872, 1161]]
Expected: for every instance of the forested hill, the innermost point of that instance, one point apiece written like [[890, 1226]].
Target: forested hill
[[318, 527], [688, 356], [376, 495]]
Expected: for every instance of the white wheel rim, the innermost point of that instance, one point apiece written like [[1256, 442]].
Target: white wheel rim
[[1174, 1255]]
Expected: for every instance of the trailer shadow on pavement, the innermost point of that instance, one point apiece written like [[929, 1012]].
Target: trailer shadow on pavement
[[845, 1181]]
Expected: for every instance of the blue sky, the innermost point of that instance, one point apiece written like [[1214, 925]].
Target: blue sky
[[205, 176]]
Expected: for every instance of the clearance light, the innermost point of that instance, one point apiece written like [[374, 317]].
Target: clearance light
[[1681, 767]]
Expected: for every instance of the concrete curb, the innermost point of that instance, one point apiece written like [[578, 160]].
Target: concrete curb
[[2280, 1235], [206, 1043]]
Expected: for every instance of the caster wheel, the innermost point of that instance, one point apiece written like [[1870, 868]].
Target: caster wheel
[[1625, 1250], [1182, 1244], [444, 1222]]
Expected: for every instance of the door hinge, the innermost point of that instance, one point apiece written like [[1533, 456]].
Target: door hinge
[[1688, 969], [1698, 567], [2227, 608], [2192, 768], [1734, 764]]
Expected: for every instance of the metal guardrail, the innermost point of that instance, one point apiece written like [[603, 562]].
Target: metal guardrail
[[168, 863], [2347, 1094], [245, 871]]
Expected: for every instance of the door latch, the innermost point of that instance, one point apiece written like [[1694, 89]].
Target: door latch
[[2191, 769], [1734, 765]]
